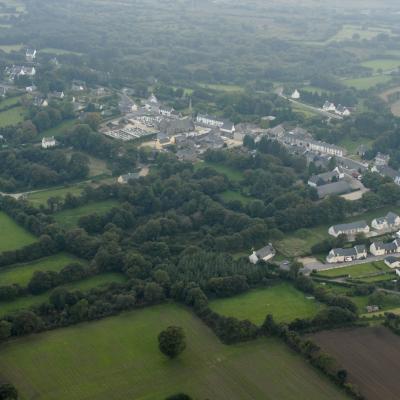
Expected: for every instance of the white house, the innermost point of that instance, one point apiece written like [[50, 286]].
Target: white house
[[329, 107], [343, 111], [380, 248], [390, 221], [124, 179], [48, 142], [295, 95], [350, 229], [346, 255], [382, 159], [393, 262], [264, 254], [30, 55]]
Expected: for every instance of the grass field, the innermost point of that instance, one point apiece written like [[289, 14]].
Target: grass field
[[84, 285], [22, 273], [12, 236], [42, 196], [13, 116], [357, 271], [352, 145], [283, 301], [118, 358], [10, 101], [231, 173], [347, 32], [11, 47], [58, 52], [371, 357], [366, 83], [70, 218], [231, 195], [382, 64], [59, 129], [223, 88]]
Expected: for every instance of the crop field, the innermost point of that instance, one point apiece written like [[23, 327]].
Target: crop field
[[283, 301], [357, 271], [27, 302], [21, 274], [12, 236], [366, 83], [41, 197], [118, 358], [70, 218], [13, 116], [371, 356], [232, 174]]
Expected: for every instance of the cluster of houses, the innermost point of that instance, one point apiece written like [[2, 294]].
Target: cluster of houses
[[339, 110]]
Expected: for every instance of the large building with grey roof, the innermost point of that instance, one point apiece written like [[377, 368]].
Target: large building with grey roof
[[350, 229]]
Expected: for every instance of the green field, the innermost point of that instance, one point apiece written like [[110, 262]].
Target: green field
[[283, 301], [13, 116], [231, 195], [11, 47], [366, 83], [382, 64], [21, 274], [347, 32], [12, 236], [118, 358], [357, 271], [10, 101], [70, 218], [59, 129], [41, 197], [58, 52], [223, 88], [84, 285], [352, 145], [232, 174]]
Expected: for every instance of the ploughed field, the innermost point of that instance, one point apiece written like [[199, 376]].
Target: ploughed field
[[370, 355], [118, 358]]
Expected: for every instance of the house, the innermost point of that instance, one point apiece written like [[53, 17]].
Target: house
[[346, 255], [163, 140], [329, 107], [17, 70], [228, 127], [56, 95], [342, 111], [166, 111], [380, 248], [295, 95], [131, 176], [325, 178], [371, 309], [382, 159], [387, 171], [392, 262], [361, 150], [78, 86], [48, 142], [390, 221], [3, 91], [336, 189], [30, 89], [350, 229], [152, 99], [30, 55], [264, 254]]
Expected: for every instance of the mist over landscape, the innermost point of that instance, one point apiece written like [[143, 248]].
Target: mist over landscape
[[199, 200]]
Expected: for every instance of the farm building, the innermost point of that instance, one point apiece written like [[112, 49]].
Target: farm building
[[350, 229], [345, 255], [264, 254]]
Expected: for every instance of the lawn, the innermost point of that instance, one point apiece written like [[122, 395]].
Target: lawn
[[283, 301], [118, 358], [232, 174], [70, 218], [84, 285], [231, 195], [382, 64], [59, 129], [13, 116], [12, 236], [41, 197], [357, 271], [22, 273], [366, 83]]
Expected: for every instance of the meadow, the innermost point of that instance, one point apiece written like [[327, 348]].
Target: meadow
[[232, 174], [118, 358], [13, 116], [21, 274], [8, 48], [367, 82], [41, 197], [12, 236], [382, 64], [26, 302], [357, 271], [69, 218], [347, 32], [59, 129], [283, 301]]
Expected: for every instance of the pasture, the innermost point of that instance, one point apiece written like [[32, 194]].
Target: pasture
[[118, 358], [40, 197], [60, 129], [12, 236], [357, 271], [21, 274], [232, 174], [348, 32], [13, 116], [382, 64], [371, 357], [26, 302], [69, 218], [8, 48], [283, 301], [367, 82]]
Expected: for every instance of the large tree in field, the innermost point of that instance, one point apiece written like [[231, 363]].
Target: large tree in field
[[172, 341]]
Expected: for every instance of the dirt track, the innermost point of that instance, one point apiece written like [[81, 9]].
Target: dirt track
[[371, 357]]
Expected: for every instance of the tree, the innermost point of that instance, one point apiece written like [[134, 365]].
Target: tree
[[5, 329], [171, 341], [179, 396], [8, 392]]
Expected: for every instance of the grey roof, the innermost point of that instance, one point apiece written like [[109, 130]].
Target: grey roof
[[388, 171], [390, 218], [350, 226], [392, 246], [391, 259], [228, 125], [324, 177], [351, 164], [335, 188], [130, 176], [265, 251], [350, 252]]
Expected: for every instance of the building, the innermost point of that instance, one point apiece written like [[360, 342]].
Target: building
[[295, 95], [385, 170], [264, 254], [382, 159], [347, 255], [329, 107], [78, 86], [380, 248], [350, 229], [49, 142], [371, 309], [30, 55], [17, 70], [124, 179], [325, 178], [57, 95], [342, 111], [392, 262], [390, 221], [336, 188]]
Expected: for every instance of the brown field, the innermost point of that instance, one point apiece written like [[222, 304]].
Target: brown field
[[371, 356]]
